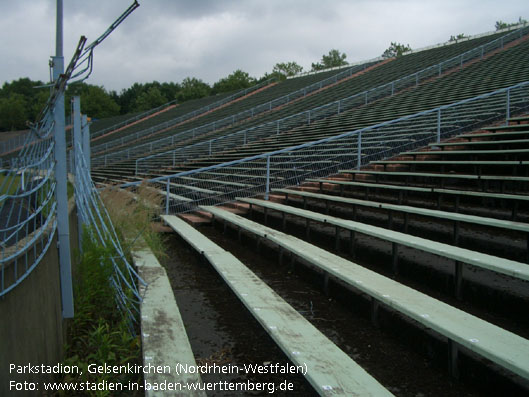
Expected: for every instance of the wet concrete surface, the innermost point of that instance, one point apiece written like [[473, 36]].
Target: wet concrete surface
[[406, 360], [219, 327]]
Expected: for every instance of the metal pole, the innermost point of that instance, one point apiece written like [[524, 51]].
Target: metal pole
[[86, 141], [359, 151], [439, 126], [267, 177], [61, 177], [167, 198], [508, 111], [77, 154]]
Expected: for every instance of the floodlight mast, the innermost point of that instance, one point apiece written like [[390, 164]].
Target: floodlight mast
[[61, 176], [82, 59]]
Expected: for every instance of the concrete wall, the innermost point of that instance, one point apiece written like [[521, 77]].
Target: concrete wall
[[31, 326]]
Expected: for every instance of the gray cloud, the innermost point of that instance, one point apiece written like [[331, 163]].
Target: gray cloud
[[168, 40]]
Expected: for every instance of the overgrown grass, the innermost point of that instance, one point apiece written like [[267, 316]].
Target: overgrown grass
[[98, 333], [132, 215]]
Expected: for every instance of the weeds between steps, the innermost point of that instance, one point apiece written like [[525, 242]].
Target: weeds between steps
[[98, 334]]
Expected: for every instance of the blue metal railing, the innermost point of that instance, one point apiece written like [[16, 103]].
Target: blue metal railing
[[170, 157], [229, 120], [290, 166], [177, 120]]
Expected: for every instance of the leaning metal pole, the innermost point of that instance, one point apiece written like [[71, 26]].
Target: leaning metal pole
[[63, 226]]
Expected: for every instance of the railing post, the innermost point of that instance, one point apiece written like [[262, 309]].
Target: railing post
[[277, 128], [366, 98], [392, 88], [508, 110], [167, 198], [439, 125], [210, 147], [359, 151], [267, 192]]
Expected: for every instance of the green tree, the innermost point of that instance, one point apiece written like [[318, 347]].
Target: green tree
[[149, 99], [286, 69], [33, 97], [128, 96], [332, 59], [503, 25], [13, 112], [193, 88], [96, 102], [238, 80], [458, 37], [396, 50]]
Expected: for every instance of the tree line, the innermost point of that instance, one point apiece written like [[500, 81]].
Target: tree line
[[21, 101]]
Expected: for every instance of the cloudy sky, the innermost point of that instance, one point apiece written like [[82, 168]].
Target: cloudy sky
[[168, 40]]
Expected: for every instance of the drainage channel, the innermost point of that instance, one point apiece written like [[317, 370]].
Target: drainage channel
[[222, 332]]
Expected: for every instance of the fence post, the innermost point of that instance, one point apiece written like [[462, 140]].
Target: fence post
[[77, 142], [86, 141], [359, 151], [63, 226], [439, 125], [267, 193]]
